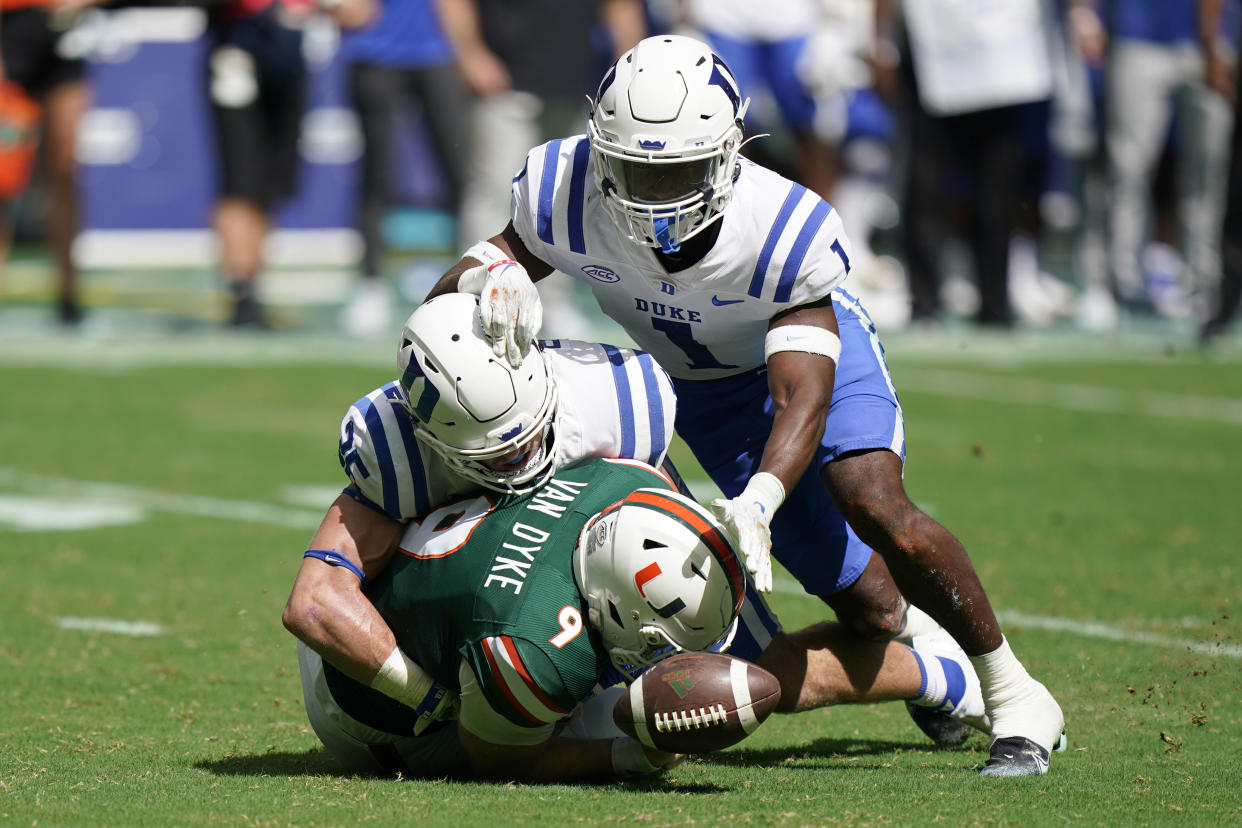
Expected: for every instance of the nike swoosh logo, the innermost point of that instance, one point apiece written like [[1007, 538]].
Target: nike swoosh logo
[[720, 303]]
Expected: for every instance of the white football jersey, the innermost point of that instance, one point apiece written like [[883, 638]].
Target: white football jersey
[[614, 403], [780, 246]]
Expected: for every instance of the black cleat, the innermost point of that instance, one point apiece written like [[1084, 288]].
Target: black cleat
[[940, 727], [248, 314], [1016, 756]]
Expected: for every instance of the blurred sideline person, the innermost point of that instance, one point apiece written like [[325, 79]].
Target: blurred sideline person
[[256, 76], [531, 66], [461, 420], [962, 73], [30, 58], [1158, 76], [729, 275], [1224, 74], [766, 45], [402, 62], [602, 566]]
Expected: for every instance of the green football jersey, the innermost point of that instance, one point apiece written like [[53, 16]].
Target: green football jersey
[[491, 582]]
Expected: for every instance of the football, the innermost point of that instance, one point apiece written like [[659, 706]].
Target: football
[[697, 703]]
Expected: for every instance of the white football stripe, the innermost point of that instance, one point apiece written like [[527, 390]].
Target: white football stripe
[[638, 711], [741, 695]]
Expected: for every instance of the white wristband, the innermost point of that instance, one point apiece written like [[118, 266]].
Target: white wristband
[[629, 759], [486, 252], [402, 679], [809, 339], [765, 489]]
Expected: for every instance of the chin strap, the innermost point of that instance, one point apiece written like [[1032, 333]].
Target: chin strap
[[664, 229]]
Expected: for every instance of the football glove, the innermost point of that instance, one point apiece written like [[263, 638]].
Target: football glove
[[439, 704], [747, 518], [509, 306]]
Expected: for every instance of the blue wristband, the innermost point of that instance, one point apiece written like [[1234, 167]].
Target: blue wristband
[[332, 558]]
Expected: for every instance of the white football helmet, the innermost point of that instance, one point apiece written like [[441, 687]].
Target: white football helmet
[[470, 406], [660, 577], [665, 129]]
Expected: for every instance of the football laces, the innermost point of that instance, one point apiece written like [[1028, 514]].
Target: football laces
[[691, 719]]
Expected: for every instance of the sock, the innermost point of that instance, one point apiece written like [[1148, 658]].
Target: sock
[[242, 290], [943, 683], [999, 671], [917, 623]]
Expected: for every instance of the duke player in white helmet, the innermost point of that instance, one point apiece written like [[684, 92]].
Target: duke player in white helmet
[[730, 275], [461, 420]]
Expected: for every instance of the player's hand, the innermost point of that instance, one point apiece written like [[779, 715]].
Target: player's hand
[[509, 306], [747, 521], [663, 761], [439, 704]]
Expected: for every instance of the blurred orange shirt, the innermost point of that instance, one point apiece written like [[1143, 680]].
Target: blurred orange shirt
[[13, 5]]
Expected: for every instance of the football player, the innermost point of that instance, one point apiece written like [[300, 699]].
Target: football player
[[462, 420], [730, 275], [519, 604]]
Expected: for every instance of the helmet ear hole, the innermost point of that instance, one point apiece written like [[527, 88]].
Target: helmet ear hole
[[615, 614]]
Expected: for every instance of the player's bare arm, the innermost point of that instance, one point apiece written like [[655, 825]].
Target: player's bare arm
[[800, 383], [507, 242], [327, 608], [557, 760]]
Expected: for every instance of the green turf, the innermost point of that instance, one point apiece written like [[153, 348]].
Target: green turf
[[1126, 518]]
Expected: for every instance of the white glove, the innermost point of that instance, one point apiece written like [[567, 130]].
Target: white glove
[[747, 518], [509, 306]]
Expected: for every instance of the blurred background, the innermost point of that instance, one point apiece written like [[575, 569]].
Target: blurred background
[[1028, 166]]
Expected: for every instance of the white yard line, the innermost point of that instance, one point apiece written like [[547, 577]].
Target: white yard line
[[111, 625], [1071, 396], [181, 504], [1083, 629]]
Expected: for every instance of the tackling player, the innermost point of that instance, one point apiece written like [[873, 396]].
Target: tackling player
[[730, 276], [519, 603], [456, 422]]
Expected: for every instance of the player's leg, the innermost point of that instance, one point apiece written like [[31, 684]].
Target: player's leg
[[239, 214], [726, 423], [65, 104], [378, 96], [826, 664], [1139, 110], [928, 563]]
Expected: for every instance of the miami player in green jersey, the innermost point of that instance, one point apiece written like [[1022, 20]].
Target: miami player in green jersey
[[521, 604]]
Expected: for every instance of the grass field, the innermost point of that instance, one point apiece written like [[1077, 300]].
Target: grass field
[[155, 498]]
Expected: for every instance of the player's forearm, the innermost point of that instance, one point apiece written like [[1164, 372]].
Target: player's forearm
[[340, 624], [448, 282], [561, 761], [799, 410]]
